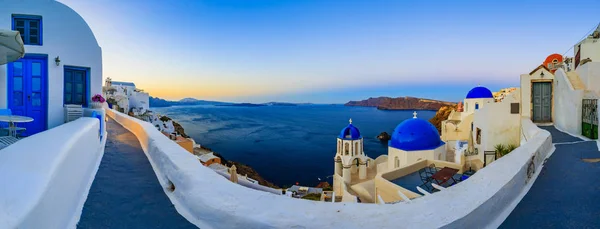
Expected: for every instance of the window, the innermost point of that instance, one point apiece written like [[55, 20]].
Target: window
[[75, 87], [30, 28], [478, 136], [396, 162], [356, 151], [346, 148], [514, 108], [476, 106]]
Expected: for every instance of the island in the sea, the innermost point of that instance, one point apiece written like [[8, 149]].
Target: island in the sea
[[401, 103]]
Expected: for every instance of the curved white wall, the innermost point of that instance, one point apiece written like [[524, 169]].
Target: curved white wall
[[209, 201], [46, 177], [65, 34], [567, 104]]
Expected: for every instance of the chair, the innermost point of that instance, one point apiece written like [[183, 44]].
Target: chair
[[73, 112], [431, 169], [6, 141], [426, 179], [5, 128]]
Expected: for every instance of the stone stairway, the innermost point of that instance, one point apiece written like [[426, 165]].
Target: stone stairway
[[575, 81]]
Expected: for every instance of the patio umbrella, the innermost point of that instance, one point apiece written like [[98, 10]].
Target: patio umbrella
[[233, 173], [11, 46]]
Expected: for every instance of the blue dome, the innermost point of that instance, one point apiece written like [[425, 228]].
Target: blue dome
[[350, 133], [479, 93], [415, 134]]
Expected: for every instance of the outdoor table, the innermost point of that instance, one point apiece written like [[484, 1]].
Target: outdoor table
[[444, 175], [12, 119]]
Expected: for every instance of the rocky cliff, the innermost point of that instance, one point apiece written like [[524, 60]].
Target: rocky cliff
[[401, 103], [441, 115]]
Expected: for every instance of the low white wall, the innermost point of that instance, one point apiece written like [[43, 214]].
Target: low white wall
[[567, 104], [46, 177], [209, 201], [249, 184]]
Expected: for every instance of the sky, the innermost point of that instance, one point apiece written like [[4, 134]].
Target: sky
[[324, 51]]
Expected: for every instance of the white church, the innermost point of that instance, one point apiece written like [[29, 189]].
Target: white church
[[415, 141]]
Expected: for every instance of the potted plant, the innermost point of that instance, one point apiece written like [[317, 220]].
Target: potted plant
[[97, 101], [111, 101]]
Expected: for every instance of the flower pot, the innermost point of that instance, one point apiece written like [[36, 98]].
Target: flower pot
[[96, 105], [110, 105]]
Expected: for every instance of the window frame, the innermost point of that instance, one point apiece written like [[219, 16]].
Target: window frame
[[26, 36], [87, 91]]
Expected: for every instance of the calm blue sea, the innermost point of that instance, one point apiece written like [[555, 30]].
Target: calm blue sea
[[285, 144]]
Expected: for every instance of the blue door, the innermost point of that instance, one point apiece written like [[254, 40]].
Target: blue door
[[27, 92]]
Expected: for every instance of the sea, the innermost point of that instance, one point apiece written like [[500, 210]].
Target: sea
[[286, 144]]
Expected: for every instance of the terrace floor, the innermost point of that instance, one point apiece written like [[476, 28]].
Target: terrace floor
[[126, 192], [411, 181], [566, 193]]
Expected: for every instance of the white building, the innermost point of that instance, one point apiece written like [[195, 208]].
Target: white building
[[128, 96], [62, 65], [568, 98], [495, 124]]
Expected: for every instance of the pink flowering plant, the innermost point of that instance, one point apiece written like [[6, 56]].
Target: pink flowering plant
[[98, 98]]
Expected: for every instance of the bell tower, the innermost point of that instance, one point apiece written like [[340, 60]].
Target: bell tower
[[349, 158]]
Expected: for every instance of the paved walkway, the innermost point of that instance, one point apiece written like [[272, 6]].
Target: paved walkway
[[125, 192], [567, 192]]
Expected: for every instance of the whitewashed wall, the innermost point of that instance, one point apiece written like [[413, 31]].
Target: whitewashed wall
[[590, 75], [567, 104], [139, 100], [497, 124], [210, 201], [46, 177], [590, 48], [469, 105], [65, 34]]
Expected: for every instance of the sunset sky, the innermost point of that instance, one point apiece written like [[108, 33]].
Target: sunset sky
[[329, 51]]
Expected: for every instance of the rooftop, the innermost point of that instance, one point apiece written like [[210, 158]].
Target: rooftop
[[123, 83]]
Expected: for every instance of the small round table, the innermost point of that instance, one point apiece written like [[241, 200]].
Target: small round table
[[12, 119]]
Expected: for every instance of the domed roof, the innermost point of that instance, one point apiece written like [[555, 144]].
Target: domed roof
[[350, 132], [552, 57], [415, 134], [479, 92]]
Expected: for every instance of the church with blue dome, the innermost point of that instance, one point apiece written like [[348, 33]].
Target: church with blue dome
[[350, 159], [414, 139]]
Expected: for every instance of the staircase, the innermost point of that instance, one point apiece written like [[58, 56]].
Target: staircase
[[575, 81]]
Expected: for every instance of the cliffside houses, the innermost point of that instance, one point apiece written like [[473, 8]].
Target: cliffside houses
[[127, 97]]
